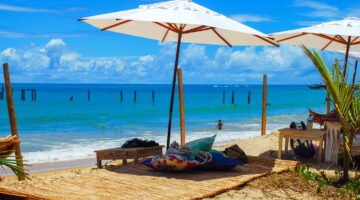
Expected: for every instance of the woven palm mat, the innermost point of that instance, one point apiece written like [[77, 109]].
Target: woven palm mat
[[140, 182]]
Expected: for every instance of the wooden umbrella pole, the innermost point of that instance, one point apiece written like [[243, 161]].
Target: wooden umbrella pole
[[354, 75], [263, 118], [173, 87], [181, 103], [12, 116], [346, 55]]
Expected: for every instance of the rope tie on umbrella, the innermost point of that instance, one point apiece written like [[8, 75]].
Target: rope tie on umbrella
[[178, 149]]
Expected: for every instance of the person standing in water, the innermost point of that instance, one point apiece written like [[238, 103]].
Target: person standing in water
[[219, 125]]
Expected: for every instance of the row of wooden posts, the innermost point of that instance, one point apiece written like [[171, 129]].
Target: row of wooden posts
[[233, 97], [153, 96], [121, 96]]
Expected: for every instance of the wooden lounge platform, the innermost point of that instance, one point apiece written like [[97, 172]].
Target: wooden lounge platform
[[127, 153], [314, 134], [140, 182]]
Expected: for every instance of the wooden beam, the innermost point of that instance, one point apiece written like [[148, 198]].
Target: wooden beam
[[176, 26], [292, 37], [82, 19], [166, 27], [341, 38], [263, 118], [352, 41], [270, 42], [114, 25], [12, 116], [173, 27], [181, 105], [167, 31], [326, 45], [329, 38], [198, 30], [221, 37]]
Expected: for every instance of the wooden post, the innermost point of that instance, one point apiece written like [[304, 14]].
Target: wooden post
[[153, 95], [12, 116], [2, 91], [23, 94], [263, 119], [135, 96], [327, 101], [88, 95], [35, 95], [181, 104], [233, 97], [32, 95], [121, 97], [249, 94], [224, 97]]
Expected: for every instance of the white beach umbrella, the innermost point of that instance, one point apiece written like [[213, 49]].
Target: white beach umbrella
[[355, 56], [342, 35], [181, 21]]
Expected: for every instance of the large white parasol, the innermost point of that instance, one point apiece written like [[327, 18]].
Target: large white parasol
[[181, 21], [342, 35]]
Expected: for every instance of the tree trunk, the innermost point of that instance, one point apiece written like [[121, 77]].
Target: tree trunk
[[346, 168]]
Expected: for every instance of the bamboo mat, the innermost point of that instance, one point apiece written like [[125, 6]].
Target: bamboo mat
[[140, 182]]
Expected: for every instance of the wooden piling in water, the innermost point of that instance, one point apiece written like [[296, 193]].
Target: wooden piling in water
[[35, 95], [88, 95], [224, 97], [327, 101], [233, 97], [263, 118], [32, 95], [121, 97], [153, 96], [249, 94], [135, 96], [12, 116], [2, 91], [22, 94]]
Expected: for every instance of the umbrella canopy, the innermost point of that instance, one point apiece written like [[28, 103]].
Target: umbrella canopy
[[161, 21], [353, 55], [181, 21], [341, 35]]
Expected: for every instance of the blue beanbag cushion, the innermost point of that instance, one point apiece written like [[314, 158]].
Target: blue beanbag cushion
[[220, 161], [171, 162]]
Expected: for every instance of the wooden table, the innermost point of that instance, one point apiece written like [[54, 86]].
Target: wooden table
[[314, 134], [127, 153]]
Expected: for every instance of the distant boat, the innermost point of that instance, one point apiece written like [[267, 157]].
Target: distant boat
[[316, 86]]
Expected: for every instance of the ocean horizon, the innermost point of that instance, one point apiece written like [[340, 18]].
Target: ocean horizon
[[53, 128]]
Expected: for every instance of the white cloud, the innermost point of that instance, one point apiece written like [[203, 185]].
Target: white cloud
[[7, 7], [250, 18], [318, 10], [57, 62], [315, 5], [11, 34], [55, 42], [14, 8]]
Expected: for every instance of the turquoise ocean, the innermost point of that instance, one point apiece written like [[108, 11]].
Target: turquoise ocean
[[53, 128]]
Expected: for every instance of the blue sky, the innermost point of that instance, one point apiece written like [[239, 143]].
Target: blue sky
[[44, 43]]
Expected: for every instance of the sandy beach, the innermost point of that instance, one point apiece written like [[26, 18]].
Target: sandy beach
[[263, 146]]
